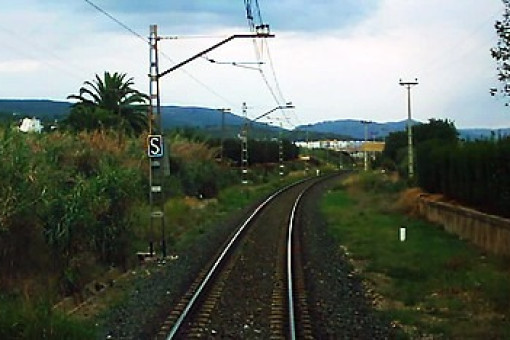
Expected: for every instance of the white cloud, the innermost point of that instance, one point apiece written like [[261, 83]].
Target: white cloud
[[341, 65], [18, 66]]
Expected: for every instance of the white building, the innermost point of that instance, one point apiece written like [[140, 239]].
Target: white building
[[31, 125]]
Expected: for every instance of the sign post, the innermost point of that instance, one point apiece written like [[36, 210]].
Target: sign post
[[155, 146], [402, 234], [155, 151]]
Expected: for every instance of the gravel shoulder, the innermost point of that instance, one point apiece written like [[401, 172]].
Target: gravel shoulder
[[340, 306], [149, 290], [337, 300]]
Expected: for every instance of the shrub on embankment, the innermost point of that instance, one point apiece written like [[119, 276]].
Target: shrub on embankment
[[71, 204], [474, 173], [66, 203], [74, 204], [27, 320]]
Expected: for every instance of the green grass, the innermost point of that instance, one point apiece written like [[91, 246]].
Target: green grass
[[22, 320], [439, 280], [186, 221]]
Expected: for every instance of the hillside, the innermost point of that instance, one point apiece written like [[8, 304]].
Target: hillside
[[356, 129], [40, 108], [209, 122], [172, 116]]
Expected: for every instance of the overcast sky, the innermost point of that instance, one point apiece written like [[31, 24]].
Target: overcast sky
[[334, 59]]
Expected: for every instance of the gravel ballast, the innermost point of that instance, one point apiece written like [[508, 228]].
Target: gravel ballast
[[336, 297], [337, 302]]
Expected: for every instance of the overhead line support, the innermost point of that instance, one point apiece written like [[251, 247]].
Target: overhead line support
[[410, 155], [244, 146], [156, 195], [365, 155], [159, 167], [198, 55]]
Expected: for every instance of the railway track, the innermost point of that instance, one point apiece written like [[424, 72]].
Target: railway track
[[254, 288]]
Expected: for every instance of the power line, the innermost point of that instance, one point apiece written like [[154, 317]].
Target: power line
[[207, 87], [472, 44], [258, 50], [126, 27], [61, 64], [277, 94], [275, 78], [133, 32], [462, 49], [258, 11]]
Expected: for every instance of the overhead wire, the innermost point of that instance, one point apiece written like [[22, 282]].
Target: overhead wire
[[439, 63], [278, 88], [61, 64], [145, 40], [464, 48], [257, 6], [126, 27], [277, 84], [461, 45], [275, 78], [273, 72], [277, 94], [252, 26]]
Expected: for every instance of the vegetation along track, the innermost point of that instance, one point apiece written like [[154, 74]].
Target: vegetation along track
[[255, 287]]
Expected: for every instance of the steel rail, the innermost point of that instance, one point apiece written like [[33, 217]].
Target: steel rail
[[290, 275], [224, 254], [217, 263]]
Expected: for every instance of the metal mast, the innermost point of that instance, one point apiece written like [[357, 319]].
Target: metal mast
[[410, 156], [156, 196], [244, 146], [365, 153], [159, 163], [280, 150]]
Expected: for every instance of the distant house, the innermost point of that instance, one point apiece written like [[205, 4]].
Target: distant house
[[31, 125]]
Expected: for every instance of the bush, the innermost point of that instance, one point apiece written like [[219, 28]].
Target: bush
[[20, 320], [67, 198], [474, 173], [379, 183]]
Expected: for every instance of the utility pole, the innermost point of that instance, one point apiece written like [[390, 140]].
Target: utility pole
[[244, 136], [308, 152], [156, 196], [223, 111], [156, 156], [365, 156], [222, 134], [244, 146], [410, 156], [280, 150]]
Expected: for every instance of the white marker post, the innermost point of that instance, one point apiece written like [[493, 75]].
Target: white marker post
[[402, 234]]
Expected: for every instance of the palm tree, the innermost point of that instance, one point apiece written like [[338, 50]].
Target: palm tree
[[126, 107]]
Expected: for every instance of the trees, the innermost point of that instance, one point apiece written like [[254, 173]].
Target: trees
[[501, 53], [435, 129], [474, 173], [111, 102], [67, 204], [443, 130]]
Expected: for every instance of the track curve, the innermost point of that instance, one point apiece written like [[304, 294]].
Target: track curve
[[255, 287]]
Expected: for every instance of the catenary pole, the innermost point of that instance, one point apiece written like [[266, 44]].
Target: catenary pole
[[244, 146], [365, 152], [157, 168], [156, 197], [410, 155]]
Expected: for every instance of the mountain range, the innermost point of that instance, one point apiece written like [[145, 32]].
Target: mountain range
[[210, 121]]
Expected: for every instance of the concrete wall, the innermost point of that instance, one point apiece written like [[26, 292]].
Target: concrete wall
[[489, 232]]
